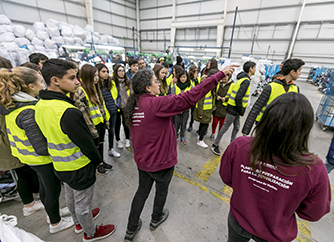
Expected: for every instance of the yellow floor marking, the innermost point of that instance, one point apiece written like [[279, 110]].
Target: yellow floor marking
[[304, 231], [227, 190], [209, 168], [224, 199], [186, 179]]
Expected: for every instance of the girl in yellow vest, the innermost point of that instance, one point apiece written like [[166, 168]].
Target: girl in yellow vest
[[124, 88], [89, 100], [203, 112], [195, 80], [112, 100], [20, 86], [180, 120], [161, 73]]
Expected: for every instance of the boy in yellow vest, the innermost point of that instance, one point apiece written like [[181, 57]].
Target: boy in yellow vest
[[71, 146], [291, 70], [236, 104]]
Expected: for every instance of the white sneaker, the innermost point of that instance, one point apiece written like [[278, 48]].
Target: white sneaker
[[64, 223], [119, 144], [113, 153], [127, 143], [202, 144], [62, 212], [37, 206]]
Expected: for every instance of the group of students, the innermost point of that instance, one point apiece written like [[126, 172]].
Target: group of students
[[61, 139]]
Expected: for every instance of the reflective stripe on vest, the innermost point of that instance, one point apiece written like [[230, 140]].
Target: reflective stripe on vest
[[276, 91], [228, 94], [176, 90], [19, 142], [207, 105], [236, 88], [94, 110], [66, 155]]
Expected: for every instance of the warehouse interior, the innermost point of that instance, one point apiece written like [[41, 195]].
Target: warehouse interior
[[264, 31]]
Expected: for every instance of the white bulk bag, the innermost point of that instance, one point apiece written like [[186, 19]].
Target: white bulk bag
[[6, 28], [7, 37], [42, 35], [23, 54], [51, 23], [19, 30], [78, 32], [52, 53], [37, 42], [53, 32], [69, 40], [4, 19], [78, 41], [40, 48], [11, 46], [66, 31], [58, 40], [89, 28], [38, 26], [29, 34], [22, 41], [50, 44], [31, 48]]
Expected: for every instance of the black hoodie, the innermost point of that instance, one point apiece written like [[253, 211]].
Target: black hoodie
[[238, 109], [73, 124]]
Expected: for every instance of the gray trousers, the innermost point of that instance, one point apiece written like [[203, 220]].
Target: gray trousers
[[180, 123], [80, 205], [228, 121]]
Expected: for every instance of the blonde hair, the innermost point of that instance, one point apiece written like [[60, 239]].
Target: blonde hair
[[13, 81]]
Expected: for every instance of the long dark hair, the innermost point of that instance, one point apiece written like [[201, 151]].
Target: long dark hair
[[108, 83], [181, 74], [213, 64], [140, 81], [93, 90], [157, 68], [191, 71], [281, 137], [116, 77]]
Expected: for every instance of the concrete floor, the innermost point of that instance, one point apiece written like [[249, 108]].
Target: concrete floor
[[198, 200]]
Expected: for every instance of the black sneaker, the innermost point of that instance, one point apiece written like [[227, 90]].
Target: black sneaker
[[155, 224], [129, 236], [215, 149], [107, 166], [101, 170], [190, 128]]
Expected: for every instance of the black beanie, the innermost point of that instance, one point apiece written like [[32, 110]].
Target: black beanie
[[179, 59]]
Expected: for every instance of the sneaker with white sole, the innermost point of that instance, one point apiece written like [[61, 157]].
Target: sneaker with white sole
[[155, 224], [127, 143], [215, 149], [102, 231], [37, 206], [119, 144], [129, 236], [113, 153], [62, 212], [202, 144], [64, 223]]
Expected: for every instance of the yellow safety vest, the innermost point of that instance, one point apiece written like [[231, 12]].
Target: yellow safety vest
[[228, 94], [169, 80], [176, 90], [114, 91], [231, 100], [207, 102], [95, 112], [193, 82], [276, 91], [66, 155], [19, 142]]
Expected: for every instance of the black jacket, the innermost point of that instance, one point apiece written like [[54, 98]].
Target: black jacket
[[26, 121], [238, 109], [260, 103], [73, 124]]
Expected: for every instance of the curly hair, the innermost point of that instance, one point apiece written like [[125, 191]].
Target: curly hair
[[141, 80]]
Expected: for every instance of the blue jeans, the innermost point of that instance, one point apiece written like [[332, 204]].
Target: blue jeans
[[162, 180], [111, 130], [237, 234]]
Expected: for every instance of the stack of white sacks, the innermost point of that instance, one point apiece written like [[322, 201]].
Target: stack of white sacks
[[17, 42]]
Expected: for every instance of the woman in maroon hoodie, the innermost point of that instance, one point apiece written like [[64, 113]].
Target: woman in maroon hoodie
[[274, 176], [153, 138]]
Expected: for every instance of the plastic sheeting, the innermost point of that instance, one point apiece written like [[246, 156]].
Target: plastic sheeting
[[53, 32], [38, 26], [37, 42], [50, 44]]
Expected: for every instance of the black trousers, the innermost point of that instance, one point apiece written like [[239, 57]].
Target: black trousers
[[202, 129], [237, 234], [120, 115], [27, 183], [99, 142], [50, 188], [162, 180]]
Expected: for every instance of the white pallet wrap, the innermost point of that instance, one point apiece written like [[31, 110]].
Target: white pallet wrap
[[58, 40], [50, 44], [78, 41], [69, 40], [11, 46], [23, 55], [4, 28], [40, 48], [53, 32], [66, 31], [78, 32], [89, 28]]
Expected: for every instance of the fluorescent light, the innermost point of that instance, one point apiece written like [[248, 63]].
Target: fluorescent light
[[186, 49], [109, 47]]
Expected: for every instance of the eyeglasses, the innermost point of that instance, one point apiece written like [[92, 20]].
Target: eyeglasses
[[196, 71], [120, 71]]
